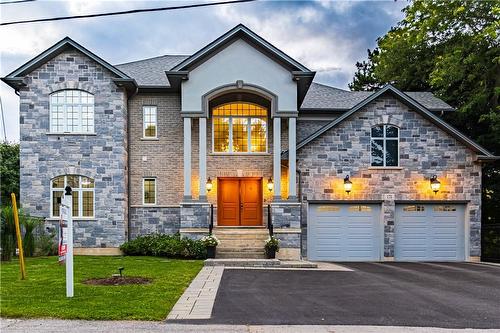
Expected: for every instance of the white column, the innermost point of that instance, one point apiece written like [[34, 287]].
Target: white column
[[292, 160], [187, 158], [277, 157], [203, 158]]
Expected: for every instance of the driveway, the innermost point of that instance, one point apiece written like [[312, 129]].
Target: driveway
[[447, 295]]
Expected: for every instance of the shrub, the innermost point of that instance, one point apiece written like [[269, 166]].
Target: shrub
[[210, 240], [29, 224], [161, 245], [46, 244], [8, 233], [272, 243]]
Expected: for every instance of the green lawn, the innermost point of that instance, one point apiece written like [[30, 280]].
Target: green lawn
[[43, 294]]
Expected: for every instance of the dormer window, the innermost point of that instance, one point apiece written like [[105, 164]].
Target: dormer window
[[384, 146], [72, 111]]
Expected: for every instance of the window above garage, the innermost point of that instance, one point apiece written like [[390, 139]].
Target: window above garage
[[384, 146]]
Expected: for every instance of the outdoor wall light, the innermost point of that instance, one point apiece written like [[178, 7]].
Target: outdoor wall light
[[270, 184], [209, 184], [347, 184], [435, 184]]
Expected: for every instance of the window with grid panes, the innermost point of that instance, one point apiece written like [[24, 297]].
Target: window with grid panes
[[239, 127], [71, 111], [82, 195], [384, 146], [149, 122]]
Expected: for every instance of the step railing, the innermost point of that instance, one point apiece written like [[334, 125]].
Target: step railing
[[211, 224], [269, 221]]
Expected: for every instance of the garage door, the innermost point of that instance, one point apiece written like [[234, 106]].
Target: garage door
[[429, 232], [344, 232]]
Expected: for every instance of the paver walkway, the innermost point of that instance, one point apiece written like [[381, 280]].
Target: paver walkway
[[198, 299]]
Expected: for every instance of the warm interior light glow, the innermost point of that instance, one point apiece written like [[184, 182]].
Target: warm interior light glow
[[209, 184], [270, 184], [435, 184], [347, 184]]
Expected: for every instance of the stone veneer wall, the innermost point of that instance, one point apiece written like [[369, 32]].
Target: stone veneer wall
[[102, 156], [425, 150], [149, 220]]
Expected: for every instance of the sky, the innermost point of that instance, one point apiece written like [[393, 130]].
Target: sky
[[327, 36]]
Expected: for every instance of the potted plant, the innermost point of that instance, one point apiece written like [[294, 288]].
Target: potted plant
[[210, 243], [272, 246]]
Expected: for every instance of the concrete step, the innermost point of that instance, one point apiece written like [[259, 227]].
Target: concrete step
[[240, 255], [240, 249], [297, 264], [243, 262]]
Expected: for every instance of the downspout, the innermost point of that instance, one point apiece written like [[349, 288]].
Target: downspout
[[128, 165]]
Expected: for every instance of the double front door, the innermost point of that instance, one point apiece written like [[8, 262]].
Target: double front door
[[239, 202]]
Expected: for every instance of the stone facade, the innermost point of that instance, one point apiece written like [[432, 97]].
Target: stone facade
[[101, 156], [425, 150], [149, 220]]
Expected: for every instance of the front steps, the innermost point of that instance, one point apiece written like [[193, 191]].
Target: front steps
[[241, 243]]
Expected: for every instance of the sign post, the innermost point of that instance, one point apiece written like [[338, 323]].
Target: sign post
[[18, 235], [66, 250]]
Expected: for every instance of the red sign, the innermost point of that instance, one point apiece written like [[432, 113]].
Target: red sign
[[63, 246]]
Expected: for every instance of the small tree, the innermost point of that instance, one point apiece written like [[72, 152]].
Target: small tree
[[9, 171]]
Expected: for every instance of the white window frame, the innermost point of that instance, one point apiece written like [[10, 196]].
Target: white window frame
[[384, 139], [249, 135], [80, 191], [144, 107], [79, 105], [156, 187]]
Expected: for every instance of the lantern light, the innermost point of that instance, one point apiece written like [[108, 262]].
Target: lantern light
[[209, 184], [435, 184], [270, 184], [347, 184]]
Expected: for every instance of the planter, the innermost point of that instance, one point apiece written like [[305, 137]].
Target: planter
[[211, 252], [271, 253]]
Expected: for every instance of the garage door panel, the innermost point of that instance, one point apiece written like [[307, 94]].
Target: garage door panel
[[344, 232], [430, 232]]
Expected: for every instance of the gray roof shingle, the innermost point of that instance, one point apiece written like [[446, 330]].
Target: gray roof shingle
[[151, 72], [320, 97]]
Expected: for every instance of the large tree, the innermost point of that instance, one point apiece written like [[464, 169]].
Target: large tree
[[452, 48]]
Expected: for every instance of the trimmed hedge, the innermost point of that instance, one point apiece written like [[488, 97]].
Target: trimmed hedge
[[160, 245]]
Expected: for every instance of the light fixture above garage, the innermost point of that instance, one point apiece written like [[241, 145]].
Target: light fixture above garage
[[270, 184], [209, 184], [435, 184], [347, 184]]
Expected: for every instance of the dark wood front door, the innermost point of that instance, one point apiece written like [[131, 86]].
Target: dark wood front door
[[239, 202]]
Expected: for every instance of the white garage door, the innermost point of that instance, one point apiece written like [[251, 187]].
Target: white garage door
[[429, 232], [344, 232]]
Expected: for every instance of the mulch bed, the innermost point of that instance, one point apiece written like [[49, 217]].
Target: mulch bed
[[118, 281]]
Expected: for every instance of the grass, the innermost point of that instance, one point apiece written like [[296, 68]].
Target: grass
[[43, 294]]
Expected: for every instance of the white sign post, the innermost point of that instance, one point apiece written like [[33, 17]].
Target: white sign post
[[66, 215]]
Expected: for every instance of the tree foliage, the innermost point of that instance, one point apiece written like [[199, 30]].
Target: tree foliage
[[9, 171]]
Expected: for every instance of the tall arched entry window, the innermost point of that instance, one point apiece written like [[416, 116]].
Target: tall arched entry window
[[239, 125]]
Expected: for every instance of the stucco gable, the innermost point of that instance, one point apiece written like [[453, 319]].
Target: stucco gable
[[413, 105]]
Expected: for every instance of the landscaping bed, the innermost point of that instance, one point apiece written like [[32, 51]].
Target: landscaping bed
[[43, 294]]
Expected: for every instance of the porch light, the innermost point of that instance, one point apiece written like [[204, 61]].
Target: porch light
[[270, 184], [347, 184], [435, 184], [209, 184]]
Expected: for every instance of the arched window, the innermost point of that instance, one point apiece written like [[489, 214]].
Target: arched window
[[385, 146], [239, 127], [71, 111], [83, 195]]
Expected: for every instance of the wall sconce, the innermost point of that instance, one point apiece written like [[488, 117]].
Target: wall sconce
[[347, 184], [270, 184], [435, 184], [209, 185]]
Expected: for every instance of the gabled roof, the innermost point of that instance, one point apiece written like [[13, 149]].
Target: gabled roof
[[321, 97], [240, 31], [14, 78], [151, 72], [412, 103]]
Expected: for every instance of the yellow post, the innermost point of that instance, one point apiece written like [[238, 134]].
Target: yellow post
[[18, 234]]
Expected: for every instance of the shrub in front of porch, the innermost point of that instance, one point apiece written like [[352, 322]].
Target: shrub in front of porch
[[169, 246]]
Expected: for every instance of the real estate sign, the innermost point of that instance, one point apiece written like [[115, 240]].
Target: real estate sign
[[63, 234], [66, 239]]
